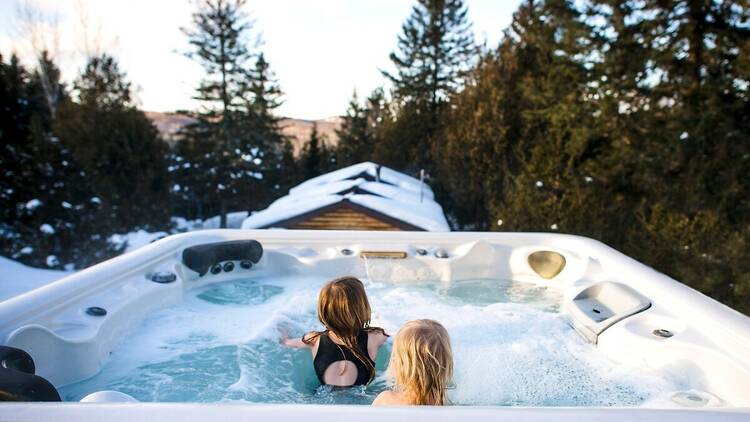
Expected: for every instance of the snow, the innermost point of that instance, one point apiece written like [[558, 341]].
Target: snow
[[330, 189], [16, 278], [393, 192], [234, 220], [427, 215], [33, 204], [399, 198], [387, 175], [282, 210], [135, 239]]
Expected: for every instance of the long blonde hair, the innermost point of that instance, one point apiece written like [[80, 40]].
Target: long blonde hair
[[422, 362], [344, 310]]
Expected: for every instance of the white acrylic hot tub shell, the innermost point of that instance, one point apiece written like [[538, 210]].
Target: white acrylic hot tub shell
[[711, 342]]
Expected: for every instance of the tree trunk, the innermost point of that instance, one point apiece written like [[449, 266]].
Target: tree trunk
[[223, 218]]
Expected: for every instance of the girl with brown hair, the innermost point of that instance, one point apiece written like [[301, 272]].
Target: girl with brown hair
[[421, 365], [344, 353]]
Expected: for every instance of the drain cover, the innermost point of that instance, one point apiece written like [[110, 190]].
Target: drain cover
[[694, 398]]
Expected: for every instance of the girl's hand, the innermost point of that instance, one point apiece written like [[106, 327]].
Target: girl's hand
[[296, 343], [284, 335]]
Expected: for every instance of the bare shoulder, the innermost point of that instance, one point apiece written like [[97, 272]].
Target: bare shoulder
[[387, 398], [377, 337], [390, 398], [311, 339]]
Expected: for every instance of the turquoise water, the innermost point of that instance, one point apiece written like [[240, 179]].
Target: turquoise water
[[511, 348]]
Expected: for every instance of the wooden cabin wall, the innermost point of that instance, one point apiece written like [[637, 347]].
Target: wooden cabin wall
[[343, 218]]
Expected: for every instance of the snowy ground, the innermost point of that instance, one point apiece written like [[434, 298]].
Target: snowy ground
[[16, 278]]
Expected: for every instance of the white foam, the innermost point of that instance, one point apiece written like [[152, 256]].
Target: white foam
[[506, 353]]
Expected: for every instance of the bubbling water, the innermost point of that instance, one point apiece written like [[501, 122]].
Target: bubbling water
[[511, 348]]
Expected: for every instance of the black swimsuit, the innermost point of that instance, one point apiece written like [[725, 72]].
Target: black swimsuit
[[330, 352]]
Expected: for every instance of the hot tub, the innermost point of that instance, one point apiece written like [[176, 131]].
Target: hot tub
[[544, 327]]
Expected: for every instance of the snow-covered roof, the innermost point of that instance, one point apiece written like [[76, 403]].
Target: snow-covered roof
[[367, 184]]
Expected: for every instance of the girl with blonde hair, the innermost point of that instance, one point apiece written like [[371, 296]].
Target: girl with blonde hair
[[344, 353], [421, 365]]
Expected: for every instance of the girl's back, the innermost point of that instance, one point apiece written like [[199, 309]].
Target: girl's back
[[336, 365], [344, 353]]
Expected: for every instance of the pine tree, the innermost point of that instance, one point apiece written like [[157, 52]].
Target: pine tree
[[15, 115], [102, 85], [265, 94], [262, 139], [355, 143], [673, 90], [518, 131], [314, 155], [621, 121], [317, 157], [289, 171], [49, 218], [219, 41], [48, 87], [435, 52], [118, 148]]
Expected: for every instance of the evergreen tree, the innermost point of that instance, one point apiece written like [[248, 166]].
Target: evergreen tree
[[15, 116], [233, 155], [435, 52], [219, 41], [355, 141], [118, 148], [265, 94], [289, 171], [47, 85], [519, 129], [102, 85], [49, 215], [676, 91], [617, 120], [263, 139], [312, 156], [315, 155]]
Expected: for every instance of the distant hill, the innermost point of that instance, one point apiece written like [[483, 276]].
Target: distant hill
[[168, 123], [297, 130]]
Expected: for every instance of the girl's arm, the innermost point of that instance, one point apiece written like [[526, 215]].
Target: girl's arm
[[376, 338], [296, 343]]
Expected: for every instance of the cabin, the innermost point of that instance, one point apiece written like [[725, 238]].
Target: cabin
[[364, 196]]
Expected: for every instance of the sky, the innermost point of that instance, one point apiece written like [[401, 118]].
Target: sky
[[320, 50]]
